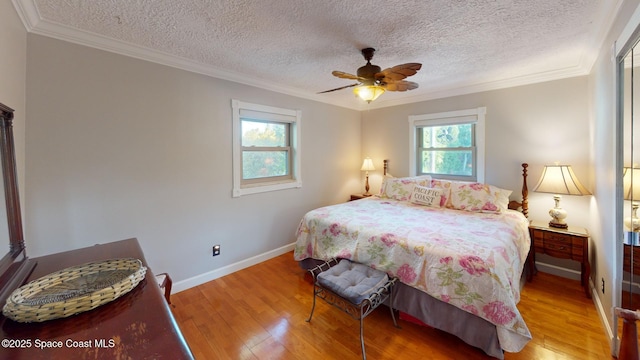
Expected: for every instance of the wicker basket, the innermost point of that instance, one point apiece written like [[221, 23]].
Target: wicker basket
[[74, 290]]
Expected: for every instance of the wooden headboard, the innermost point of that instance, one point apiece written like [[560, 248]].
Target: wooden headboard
[[522, 206]]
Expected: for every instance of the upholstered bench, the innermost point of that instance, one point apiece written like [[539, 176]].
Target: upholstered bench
[[354, 288]]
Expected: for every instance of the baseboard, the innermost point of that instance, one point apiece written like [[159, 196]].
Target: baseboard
[[226, 270], [604, 320], [635, 287], [558, 271]]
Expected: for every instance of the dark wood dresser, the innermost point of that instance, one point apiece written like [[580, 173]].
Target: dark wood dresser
[[138, 325]]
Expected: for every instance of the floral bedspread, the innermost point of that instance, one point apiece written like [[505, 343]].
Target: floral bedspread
[[471, 260]]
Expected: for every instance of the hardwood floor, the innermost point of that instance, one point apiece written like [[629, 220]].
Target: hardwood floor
[[260, 312]]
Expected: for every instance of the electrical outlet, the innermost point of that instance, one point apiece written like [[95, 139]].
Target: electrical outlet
[[603, 285], [216, 250]]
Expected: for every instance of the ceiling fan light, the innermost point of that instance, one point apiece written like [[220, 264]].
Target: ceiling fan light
[[368, 93]]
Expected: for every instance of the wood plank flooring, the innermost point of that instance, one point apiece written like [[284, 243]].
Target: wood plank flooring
[[260, 312]]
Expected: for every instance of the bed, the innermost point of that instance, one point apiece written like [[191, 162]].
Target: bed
[[459, 250]]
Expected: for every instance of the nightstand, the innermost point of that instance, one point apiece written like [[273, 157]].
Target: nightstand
[[571, 243], [357, 197]]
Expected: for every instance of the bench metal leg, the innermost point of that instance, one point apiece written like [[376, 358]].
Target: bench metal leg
[[393, 316], [314, 273], [364, 356], [362, 316], [314, 304]]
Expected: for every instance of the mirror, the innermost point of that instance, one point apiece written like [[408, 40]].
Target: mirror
[[628, 174], [14, 265], [5, 243], [629, 73]]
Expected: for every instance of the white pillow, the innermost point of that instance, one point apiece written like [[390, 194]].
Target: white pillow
[[423, 195]]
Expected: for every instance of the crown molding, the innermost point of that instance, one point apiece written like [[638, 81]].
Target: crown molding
[[598, 37], [465, 88], [28, 13]]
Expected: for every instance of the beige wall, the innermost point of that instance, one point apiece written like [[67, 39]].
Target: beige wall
[[13, 71], [120, 147], [537, 124]]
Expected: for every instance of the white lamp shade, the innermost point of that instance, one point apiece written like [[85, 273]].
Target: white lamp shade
[[631, 183], [367, 165], [560, 179]]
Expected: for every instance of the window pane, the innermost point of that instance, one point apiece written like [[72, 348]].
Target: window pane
[[260, 164], [452, 162], [447, 136], [256, 133]]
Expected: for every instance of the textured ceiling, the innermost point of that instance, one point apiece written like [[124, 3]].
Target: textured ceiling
[[291, 46]]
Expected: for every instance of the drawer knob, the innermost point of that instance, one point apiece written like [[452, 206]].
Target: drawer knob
[[557, 247]]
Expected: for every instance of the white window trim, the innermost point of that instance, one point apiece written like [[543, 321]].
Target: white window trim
[[450, 117], [266, 113]]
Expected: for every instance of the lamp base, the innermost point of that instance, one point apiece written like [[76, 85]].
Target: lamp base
[[558, 226], [558, 215], [366, 186], [633, 223]]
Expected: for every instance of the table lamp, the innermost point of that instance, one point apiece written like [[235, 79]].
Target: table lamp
[[367, 165], [559, 180], [631, 191]]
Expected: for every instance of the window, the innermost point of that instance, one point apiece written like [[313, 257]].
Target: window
[[266, 154], [448, 145]]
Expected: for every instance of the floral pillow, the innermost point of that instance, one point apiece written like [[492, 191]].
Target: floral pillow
[[445, 185], [478, 197], [401, 188], [428, 196], [502, 197], [384, 184]]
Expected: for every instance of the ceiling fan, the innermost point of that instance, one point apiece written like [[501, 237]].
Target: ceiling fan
[[372, 82]]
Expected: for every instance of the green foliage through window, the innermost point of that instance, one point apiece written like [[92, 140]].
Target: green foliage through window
[[261, 133], [261, 164], [447, 149], [265, 149]]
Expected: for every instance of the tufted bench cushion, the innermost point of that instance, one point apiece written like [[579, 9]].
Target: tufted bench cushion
[[353, 281]]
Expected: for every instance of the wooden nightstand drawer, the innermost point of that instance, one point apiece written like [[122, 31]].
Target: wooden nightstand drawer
[[557, 246], [627, 259], [563, 246]]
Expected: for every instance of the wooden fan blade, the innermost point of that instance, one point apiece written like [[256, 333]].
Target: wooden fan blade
[[340, 88], [399, 72], [400, 85], [344, 75]]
